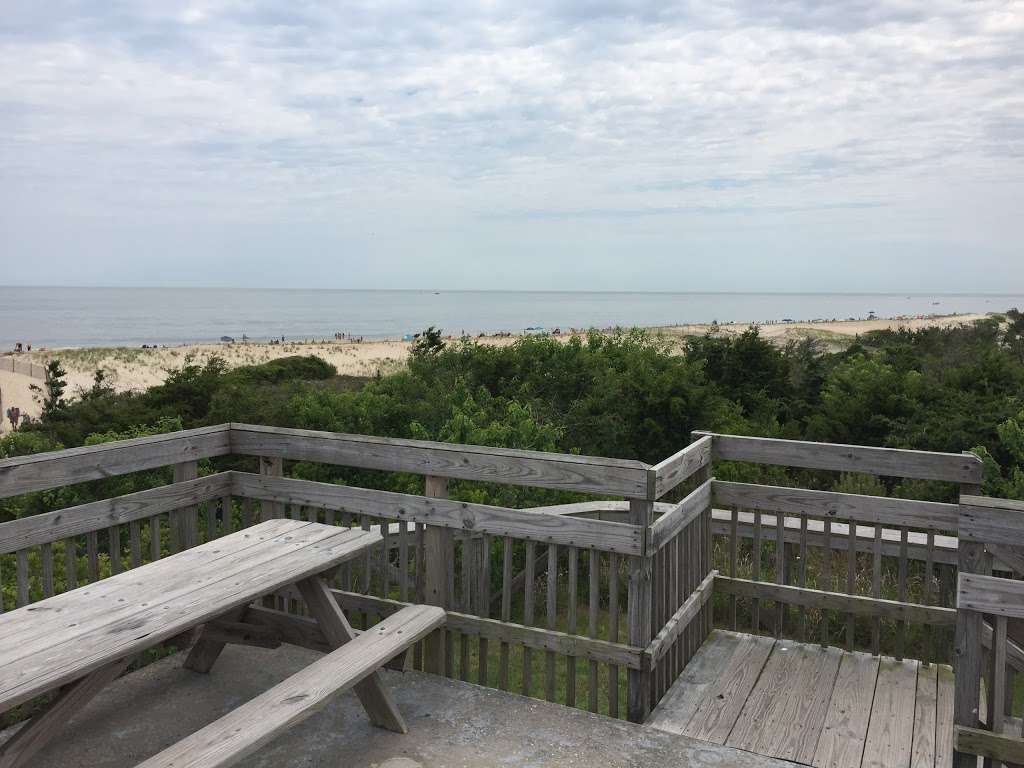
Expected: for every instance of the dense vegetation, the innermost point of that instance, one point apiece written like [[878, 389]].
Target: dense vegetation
[[624, 394]]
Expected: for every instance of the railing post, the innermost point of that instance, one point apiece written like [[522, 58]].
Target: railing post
[[184, 525], [274, 467], [638, 684], [437, 561], [967, 649]]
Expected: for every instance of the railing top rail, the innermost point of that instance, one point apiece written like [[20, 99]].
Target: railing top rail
[[42, 471], [590, 474], [890, 462], [990, 594], [466, 516], [681, 466]]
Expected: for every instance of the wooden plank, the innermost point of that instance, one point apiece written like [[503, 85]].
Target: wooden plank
[[991, 520], [438, 512], [57, 657], [922, 750], [528, 598], [613, 632], [785, 712], [668, 525], [572, 580], [378, 703], [891, 731], [723, 701], [849, 712], [681, 466], [974, 741], [259, 721], [41, 471], [679, 705], [506, 609], [437, 560], [77, 609], [551, 593], [98, 515], [638, 684], [590, 474], [944, 716], [889, 462], [857, 604], [680, 620], [967, 648], [44, 727], [837, 506], [991, 594]]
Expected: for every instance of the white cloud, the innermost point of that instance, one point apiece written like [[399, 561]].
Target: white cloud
[[391, 143]]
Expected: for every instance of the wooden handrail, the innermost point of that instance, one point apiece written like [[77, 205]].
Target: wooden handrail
[[42, 471], [890, 462], [590, 474]]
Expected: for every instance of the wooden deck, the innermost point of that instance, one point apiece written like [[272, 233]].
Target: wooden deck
[[811, 705]]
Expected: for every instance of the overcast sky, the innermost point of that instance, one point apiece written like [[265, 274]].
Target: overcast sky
[[751, 145]]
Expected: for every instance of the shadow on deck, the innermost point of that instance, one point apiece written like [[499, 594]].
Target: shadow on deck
[[812, 705], [450, 724]]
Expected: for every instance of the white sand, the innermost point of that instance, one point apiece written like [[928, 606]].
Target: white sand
[[137, 369]]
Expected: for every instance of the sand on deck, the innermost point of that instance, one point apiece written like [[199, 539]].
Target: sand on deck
[[137, 369]]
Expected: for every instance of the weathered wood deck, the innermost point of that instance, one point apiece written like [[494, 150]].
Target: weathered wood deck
[[812, 705]]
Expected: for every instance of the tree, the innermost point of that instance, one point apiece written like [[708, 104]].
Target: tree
[[51, 394], [428, 343]]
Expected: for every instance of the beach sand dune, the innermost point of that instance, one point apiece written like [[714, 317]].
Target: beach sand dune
[[137, 369]]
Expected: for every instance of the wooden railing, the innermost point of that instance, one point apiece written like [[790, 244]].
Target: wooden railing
[[561, 602]]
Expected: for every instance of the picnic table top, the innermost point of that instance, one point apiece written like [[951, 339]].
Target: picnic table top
[[63, 638]]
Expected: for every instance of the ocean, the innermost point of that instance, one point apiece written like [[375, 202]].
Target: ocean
[[71, 317]]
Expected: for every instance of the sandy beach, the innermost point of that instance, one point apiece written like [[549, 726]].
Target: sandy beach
[[137, 368]]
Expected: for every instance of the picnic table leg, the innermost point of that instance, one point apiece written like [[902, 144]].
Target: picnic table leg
[[205, 651], [375, 698], [19, 749]]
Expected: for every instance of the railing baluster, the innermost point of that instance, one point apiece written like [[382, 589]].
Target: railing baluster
[[572, 578], [594, 601], [803, 575], [21, 576], [826, 576], [114, 547], [135, 543], [506, 609], [851, 577], [552, 618], [46, 553], [901, 625], [528, 615], [780, 568], [613, 631], [734, 516], [876, 590], [484, 605], [755, 562]]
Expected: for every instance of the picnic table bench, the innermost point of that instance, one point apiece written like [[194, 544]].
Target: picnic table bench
[[83, 639]]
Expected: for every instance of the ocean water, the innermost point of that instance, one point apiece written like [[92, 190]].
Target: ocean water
[[63, 317]]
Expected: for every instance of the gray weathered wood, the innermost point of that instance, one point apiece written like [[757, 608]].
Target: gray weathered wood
[[98, 515], [439, 512], [990, 520], [41, 471], [849, 711], [639, 618], [257, 722], [889, 462], [668, 525], [70, 635], [21, 747], [974, 741], [437, 559], [680, 620], [837, 506], [469, 462], [990, 594], [681, 466], [839, 601], [890, 734], [378, 703]]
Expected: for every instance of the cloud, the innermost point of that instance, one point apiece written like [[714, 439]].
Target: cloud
[[415, 133]]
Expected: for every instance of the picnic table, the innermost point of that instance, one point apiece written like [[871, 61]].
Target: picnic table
[[82, 640]]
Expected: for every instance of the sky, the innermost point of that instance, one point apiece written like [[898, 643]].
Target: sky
[[591, 145]]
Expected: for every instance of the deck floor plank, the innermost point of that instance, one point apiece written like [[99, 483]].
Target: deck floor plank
[[827, 708], [707, 667], [944, 717], [922, 753], [849, 711], [785, 713], [891, 731], [716, 714]]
